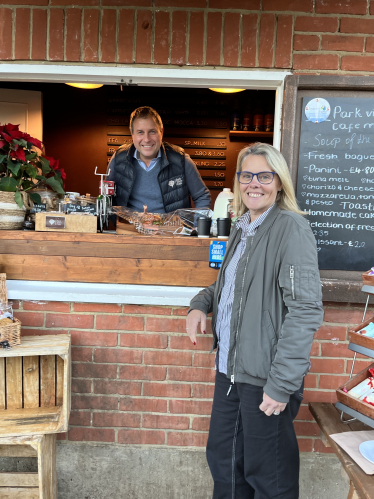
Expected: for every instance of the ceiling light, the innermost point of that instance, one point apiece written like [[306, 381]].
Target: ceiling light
[[227, 90], [85, 85]]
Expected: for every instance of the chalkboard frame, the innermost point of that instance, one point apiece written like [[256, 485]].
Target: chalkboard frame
[[338, 285]]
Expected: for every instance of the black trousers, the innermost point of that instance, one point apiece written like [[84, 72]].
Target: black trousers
[[251, 455]]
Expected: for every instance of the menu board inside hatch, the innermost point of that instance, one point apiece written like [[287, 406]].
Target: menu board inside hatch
[[335, 183]]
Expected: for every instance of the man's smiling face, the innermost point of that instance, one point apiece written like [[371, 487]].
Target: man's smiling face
[[147, 138]]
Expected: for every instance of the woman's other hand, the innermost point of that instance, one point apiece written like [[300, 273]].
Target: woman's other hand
[[270, 406], [192, 322]]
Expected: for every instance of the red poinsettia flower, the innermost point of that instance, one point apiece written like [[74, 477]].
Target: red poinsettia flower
[[53, 163], [63, 174], [3, 143], [18, 154]]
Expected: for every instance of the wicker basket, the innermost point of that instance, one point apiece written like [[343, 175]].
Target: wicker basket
[[10, 332]]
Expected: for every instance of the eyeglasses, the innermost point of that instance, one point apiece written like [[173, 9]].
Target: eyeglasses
[[262, 177]]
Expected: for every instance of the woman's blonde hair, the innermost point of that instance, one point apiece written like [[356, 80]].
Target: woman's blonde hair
[[286, 199]]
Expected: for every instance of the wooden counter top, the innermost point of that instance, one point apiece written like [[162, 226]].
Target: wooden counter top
[[105, 258]]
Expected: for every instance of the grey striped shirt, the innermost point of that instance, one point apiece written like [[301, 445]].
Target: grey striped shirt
[[227, 295]]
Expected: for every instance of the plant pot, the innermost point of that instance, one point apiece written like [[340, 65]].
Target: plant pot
[[11, 215]]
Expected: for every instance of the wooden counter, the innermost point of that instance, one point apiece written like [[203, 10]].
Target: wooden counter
[[106, 258]]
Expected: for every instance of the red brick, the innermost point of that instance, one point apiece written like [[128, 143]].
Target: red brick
[[318, 61], [82, 3], [118, 355], [357, 63], [330, 366], [114, 387], [56, 35], [330, 382], [31, 2], [336, 350], [371, 10], [175, 390], [81, 354], [91, 402], [94, 338], [91, 35], [160, 56], [149, 373], [73, 53], [165, 422], [294, 5], [239, 4], [178, 43], [142, 405], [116, 419], [369, 45], [341, 6], [69, 320], [359, 365], [166, 325], [315, 350], [200, 424], [214, 35], [168, 358], [203, 360], [195, 58], [143, 37], [304, 414], [61, 436], [305, 42], [305, 444], [344, 43], [184, 343], [191, 374], [203, 391], [30, 318], [331, 333], [22, 41], [311, 381], [181, 3], [249, 40], [307, 429], [231, 39], [145, 437], [266, 49], [190, 407], [319, 396], [317, 24], [110, 308], [355, 25], [15, 303], [338, 315], [91, 434], [128, 3], [284, 42], [81, 385], [144, 340], [88, 370], [51, 306], [185, 439], [319, 446], [125, 36], [183, 310], [120, 322], [78, 418]]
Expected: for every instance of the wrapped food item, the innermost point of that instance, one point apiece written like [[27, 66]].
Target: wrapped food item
[[371, 271], [362, 389], [369, 398], [368, 330]]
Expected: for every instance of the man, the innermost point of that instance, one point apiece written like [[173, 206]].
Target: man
[[153, 172]]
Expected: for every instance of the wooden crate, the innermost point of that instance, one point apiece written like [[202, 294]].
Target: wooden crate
[[73, 223], [359, 339], [35, 379], [355, 404]]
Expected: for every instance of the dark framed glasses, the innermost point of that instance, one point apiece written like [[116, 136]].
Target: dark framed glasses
[[262, 177]]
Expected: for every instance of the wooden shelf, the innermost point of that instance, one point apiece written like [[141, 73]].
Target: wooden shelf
[[240, 133]]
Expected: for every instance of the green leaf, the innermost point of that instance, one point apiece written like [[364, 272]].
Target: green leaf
[[32, 171], [44, 164], [8, 184], [30, 156], [35, 197], [14, 167], [18, 199], [2, 157], [55, 184], [26, 184], [40, 177]]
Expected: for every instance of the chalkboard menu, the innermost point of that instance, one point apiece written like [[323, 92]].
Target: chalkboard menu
[[335, 181]]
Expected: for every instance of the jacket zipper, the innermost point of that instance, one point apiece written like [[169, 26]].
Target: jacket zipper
[[292, 277]]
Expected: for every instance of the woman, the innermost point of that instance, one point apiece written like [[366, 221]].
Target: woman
[[266, 306]]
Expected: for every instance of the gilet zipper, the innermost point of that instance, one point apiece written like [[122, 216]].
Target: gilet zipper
[[292, 277]]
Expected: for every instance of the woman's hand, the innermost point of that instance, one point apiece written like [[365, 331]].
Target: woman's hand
[[193, 319], [270, 406]]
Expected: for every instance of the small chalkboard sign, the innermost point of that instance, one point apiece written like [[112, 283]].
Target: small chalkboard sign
[[77, 208], [335, 182], [37, 208]]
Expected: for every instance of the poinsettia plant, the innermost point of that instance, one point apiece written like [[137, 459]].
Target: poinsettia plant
[[23, 168]]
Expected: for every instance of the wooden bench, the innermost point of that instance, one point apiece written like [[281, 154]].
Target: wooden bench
[[361, 485]]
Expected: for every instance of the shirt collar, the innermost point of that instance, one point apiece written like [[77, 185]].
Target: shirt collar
[[244, 222], [136, 154]]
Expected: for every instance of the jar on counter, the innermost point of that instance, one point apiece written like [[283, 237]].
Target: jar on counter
[[49, 198]]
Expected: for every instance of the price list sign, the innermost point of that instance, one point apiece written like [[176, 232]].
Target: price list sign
[[335, 182]]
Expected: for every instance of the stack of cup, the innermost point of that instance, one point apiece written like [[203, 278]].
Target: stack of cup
[[223, 228], [203, 226]]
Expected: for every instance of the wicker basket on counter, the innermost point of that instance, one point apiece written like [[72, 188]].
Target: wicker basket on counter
[[9, 332]]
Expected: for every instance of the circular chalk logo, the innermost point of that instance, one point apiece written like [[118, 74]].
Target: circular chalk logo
[[317, 110]]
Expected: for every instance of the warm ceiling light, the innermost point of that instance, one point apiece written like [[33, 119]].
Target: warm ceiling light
[[85, 85], [227, 90]]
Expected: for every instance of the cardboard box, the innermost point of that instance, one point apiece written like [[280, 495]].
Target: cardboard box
[[60, 222], [355, 404]]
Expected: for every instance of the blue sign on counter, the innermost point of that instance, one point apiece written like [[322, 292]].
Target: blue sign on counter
[[216, 253]]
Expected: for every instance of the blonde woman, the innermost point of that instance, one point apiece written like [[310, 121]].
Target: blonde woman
[[266, 306]]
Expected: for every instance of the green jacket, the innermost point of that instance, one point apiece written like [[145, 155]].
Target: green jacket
[[277, 304]]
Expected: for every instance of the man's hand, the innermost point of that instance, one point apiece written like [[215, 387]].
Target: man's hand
[[193, 319], [270, 406]]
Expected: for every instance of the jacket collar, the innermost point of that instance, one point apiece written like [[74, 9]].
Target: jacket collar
[[164, 159]]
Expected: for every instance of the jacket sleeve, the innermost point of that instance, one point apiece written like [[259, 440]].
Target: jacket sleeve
[[203, 301], [198, 190], [302, 295]]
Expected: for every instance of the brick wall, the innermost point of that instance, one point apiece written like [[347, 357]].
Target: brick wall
[[137, 379], [316, 36]]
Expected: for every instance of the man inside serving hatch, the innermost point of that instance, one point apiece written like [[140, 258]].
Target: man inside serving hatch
[[154, 173]]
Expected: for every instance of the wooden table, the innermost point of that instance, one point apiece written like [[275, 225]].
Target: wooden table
[[328, 419]]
